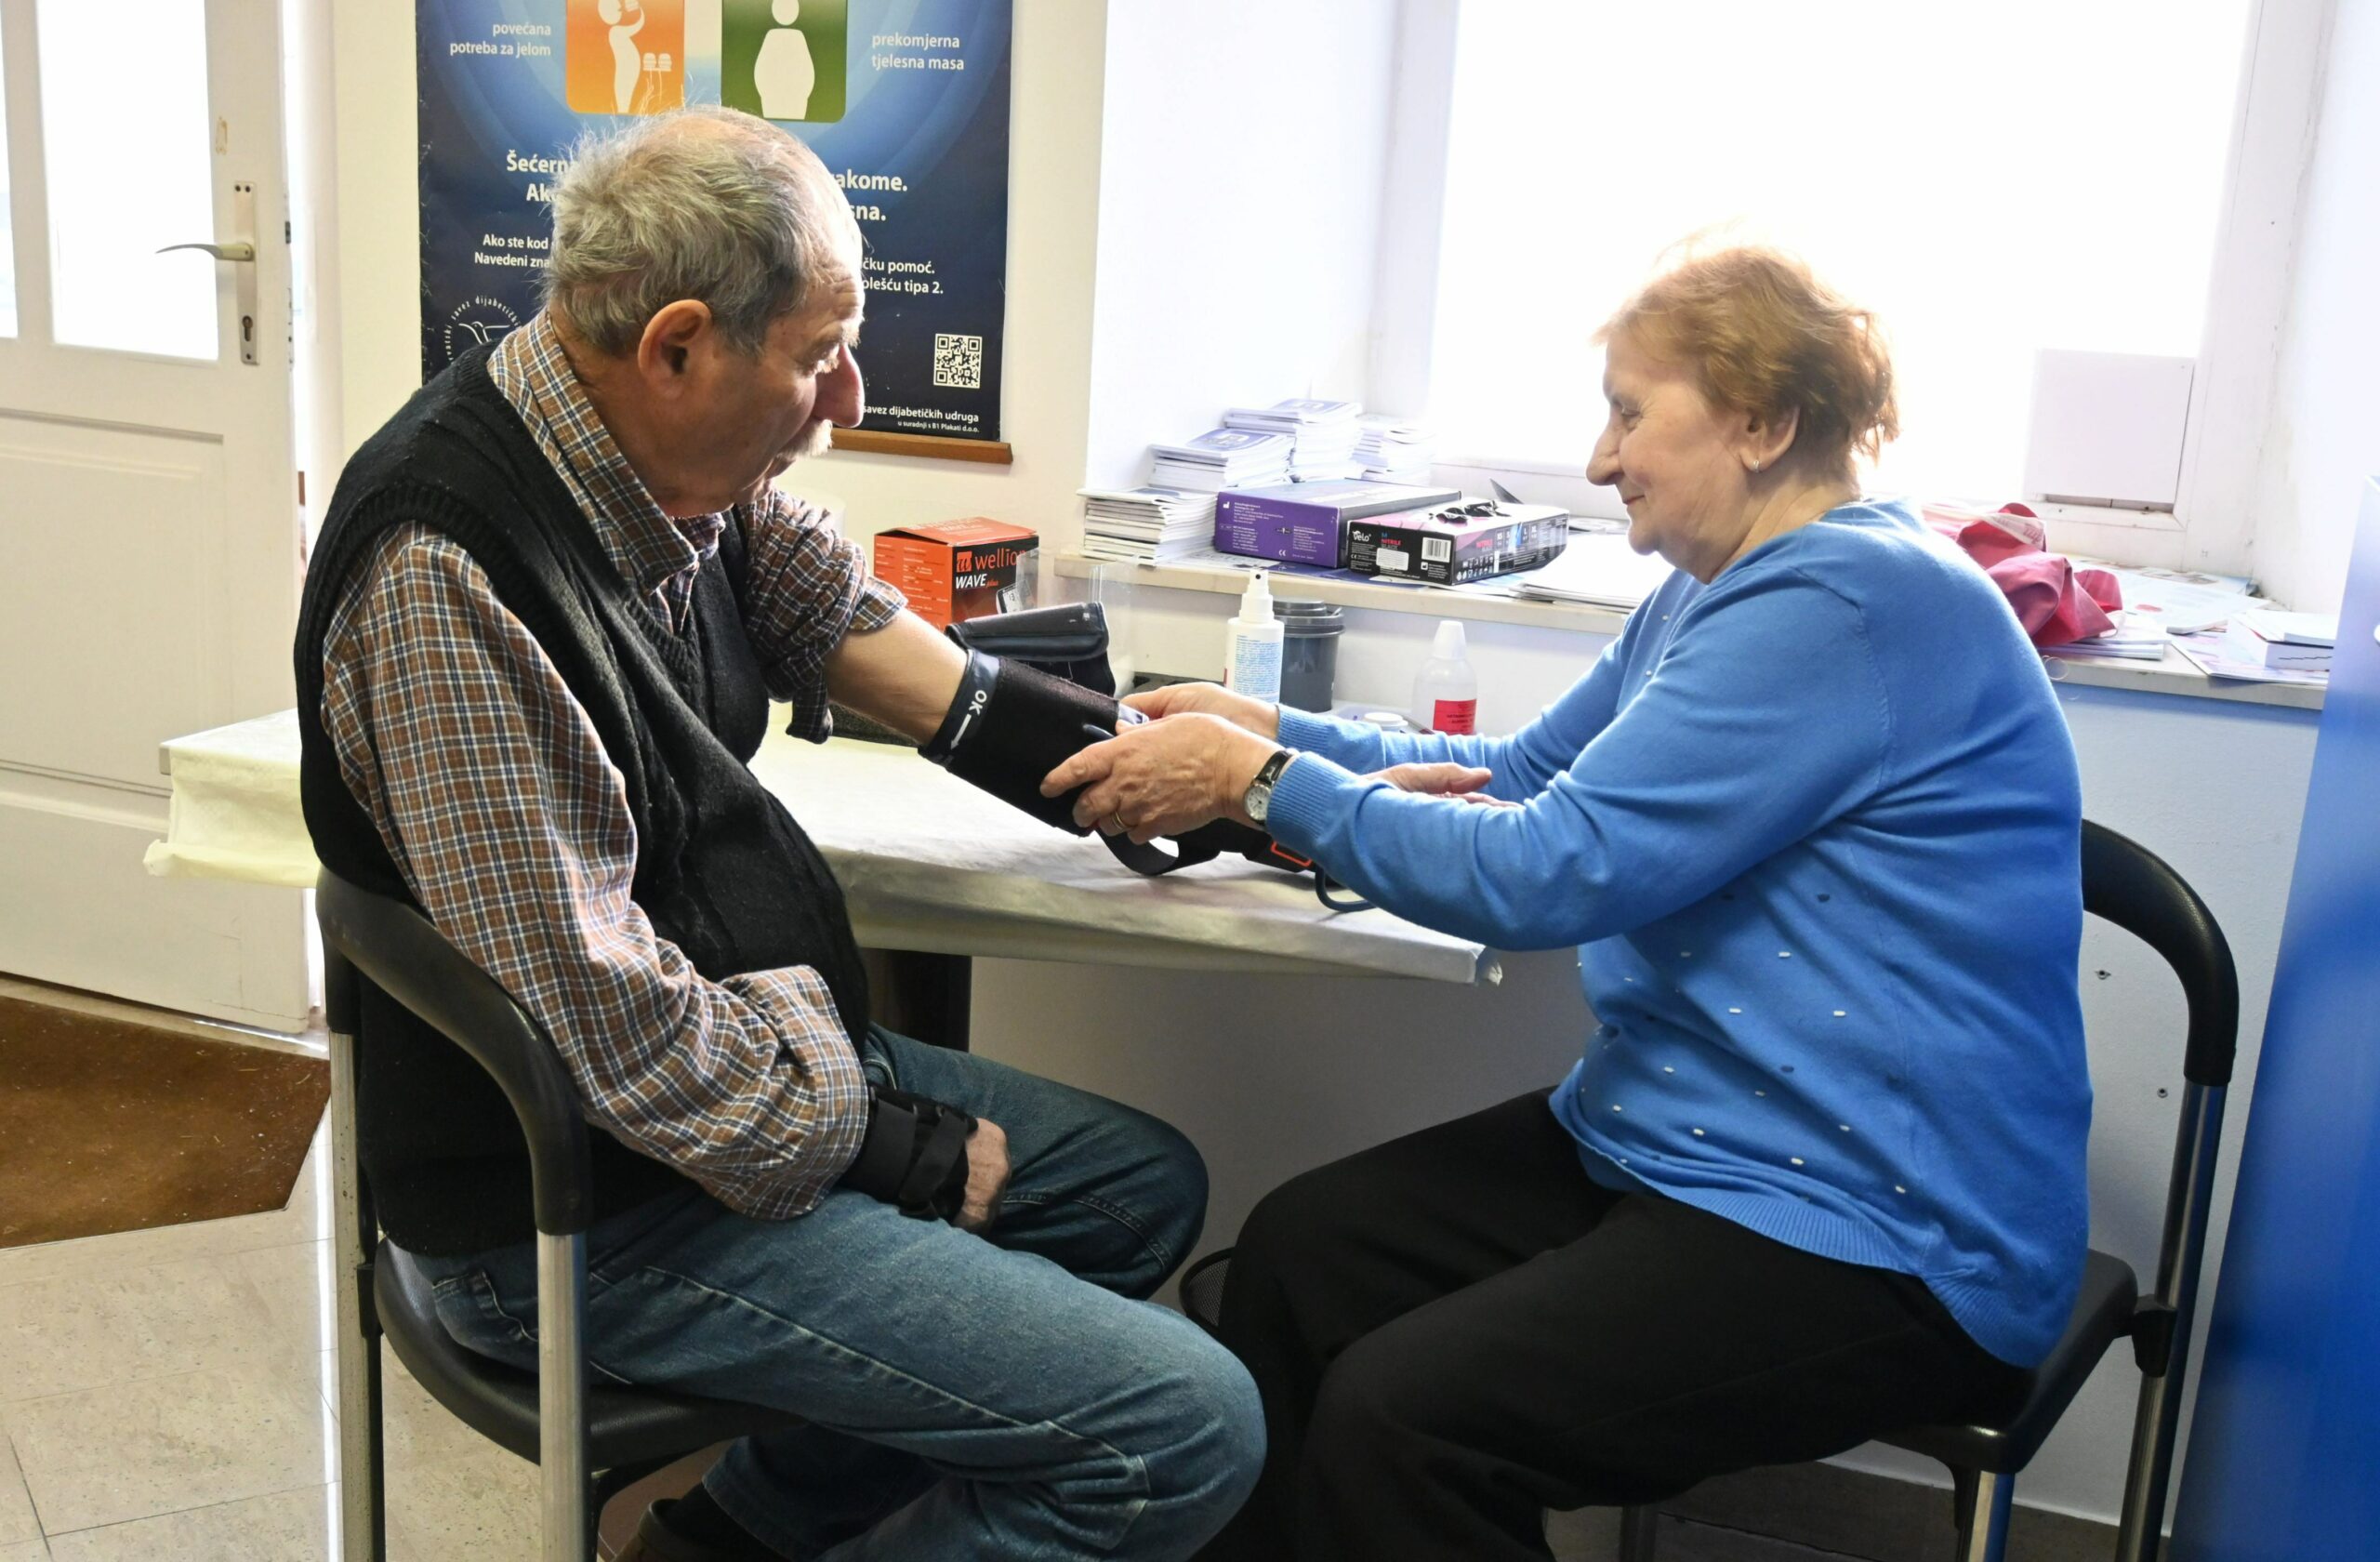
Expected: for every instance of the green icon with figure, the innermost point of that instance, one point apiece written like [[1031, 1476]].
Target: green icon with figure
[[785, 59]]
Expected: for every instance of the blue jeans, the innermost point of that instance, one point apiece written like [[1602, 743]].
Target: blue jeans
[[1005, 1396]]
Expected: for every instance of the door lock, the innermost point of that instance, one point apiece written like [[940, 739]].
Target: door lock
[[242, 253]]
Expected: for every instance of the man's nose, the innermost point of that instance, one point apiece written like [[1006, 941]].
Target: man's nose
[[842, 397]]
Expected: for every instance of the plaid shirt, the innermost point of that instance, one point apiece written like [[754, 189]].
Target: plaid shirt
[[492, 794]]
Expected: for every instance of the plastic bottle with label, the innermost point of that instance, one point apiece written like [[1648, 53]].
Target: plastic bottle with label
[[1446, 692], [1253, 665]]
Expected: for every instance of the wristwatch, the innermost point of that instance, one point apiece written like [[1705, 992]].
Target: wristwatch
[[1258, 799]]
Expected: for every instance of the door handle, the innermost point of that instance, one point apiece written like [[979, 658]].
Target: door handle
[[242, 252], [221, 252]]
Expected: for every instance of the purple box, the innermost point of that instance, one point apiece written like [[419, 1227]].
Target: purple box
[[1306, 522]]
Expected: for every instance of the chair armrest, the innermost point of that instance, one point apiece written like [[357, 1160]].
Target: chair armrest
[[397, 949]]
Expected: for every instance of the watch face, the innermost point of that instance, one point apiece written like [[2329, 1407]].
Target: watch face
[[1259, 800]]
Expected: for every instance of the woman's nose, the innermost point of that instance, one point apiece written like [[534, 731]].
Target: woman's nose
[[1603, 465]]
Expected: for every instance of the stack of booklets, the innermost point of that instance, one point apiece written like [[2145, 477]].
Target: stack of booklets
[[1145, 523], [1391, 449], [1599, 569], [1221, 458], [1323, 434], [2136, 637]]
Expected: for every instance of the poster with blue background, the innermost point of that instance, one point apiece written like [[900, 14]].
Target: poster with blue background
[[907, 101]]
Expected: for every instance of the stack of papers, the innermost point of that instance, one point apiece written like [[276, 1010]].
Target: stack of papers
[[2136, 637], [1137, 523], [2181, 601], [1222, 458], [1323, 434], [1598, 569], [1394, 449]]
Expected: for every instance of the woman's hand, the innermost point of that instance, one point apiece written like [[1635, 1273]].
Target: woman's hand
[[1163, 777], [1260, 717], [1463, 783]]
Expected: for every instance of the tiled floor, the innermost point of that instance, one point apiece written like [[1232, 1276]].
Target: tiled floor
[[169, 1394]]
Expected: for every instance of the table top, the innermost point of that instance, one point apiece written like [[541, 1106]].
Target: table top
[[927, 862]]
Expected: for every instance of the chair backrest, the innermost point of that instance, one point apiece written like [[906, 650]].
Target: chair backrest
[[372, 937], [2132, 888]]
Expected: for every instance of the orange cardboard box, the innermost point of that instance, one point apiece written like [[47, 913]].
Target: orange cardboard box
[[955, 570]]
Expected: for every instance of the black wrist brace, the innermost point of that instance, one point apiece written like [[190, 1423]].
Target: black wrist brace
[[915, 1155]]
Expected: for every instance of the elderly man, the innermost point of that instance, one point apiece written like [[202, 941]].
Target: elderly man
[[545, 618]]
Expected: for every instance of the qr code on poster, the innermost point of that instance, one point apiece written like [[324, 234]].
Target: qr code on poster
[[958, 362]]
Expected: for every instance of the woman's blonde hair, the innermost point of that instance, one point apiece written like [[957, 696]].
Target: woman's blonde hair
[[1763, 335]]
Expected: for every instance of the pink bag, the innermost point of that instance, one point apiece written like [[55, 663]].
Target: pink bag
[[2054, 600]]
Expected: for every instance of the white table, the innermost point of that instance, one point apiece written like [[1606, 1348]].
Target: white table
[[927, 863]]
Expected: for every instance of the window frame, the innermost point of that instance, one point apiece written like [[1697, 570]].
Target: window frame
[[2212, 526]]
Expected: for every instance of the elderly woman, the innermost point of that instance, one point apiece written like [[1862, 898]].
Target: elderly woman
[[1812, 822]]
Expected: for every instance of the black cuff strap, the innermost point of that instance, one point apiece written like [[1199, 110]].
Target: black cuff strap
[[967, 708], [915, 1155]]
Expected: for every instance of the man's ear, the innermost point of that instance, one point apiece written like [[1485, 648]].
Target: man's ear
[[664, 354]]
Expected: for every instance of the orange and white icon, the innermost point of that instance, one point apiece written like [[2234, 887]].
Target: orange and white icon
[[626, 56]]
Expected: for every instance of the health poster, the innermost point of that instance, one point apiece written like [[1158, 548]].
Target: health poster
[[907, 101]]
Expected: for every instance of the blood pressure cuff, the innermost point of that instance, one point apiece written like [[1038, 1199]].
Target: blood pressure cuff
[[914, 1155], [1011, 725]]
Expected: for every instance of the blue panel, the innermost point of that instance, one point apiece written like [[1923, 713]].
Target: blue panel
[[2284, 1460]]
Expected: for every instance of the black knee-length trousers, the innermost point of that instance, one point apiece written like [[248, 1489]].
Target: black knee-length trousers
[[1457, 1329]]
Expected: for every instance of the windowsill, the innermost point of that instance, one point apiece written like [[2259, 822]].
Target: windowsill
[[1435, 602], [2174, 675]]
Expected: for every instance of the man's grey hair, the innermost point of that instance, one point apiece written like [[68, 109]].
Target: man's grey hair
[[702, 202]]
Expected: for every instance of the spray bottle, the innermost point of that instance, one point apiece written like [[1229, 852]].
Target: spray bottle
[[1252, 666], [1446, 695]]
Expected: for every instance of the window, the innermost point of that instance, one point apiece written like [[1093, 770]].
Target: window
[[7, 221], [1992, 182], [124, 139]]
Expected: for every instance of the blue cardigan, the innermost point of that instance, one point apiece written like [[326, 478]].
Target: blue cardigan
[[1814, 829]]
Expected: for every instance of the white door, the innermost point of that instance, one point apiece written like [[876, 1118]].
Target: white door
[[149, 519]]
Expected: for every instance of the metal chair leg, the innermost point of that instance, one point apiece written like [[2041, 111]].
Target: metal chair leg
[[561, 1398], [1983, 1518], [363, 1487], [1639, 1530]]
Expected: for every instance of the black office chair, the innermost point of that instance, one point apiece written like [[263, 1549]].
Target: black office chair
[[2132, 888], [587, 1443]]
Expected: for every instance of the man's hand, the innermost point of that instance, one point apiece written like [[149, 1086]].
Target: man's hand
[[1463, 783], [987, 1171], [1260, 717], [1162, 778]]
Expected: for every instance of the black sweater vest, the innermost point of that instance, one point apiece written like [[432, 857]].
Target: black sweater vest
[[722, 870]]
